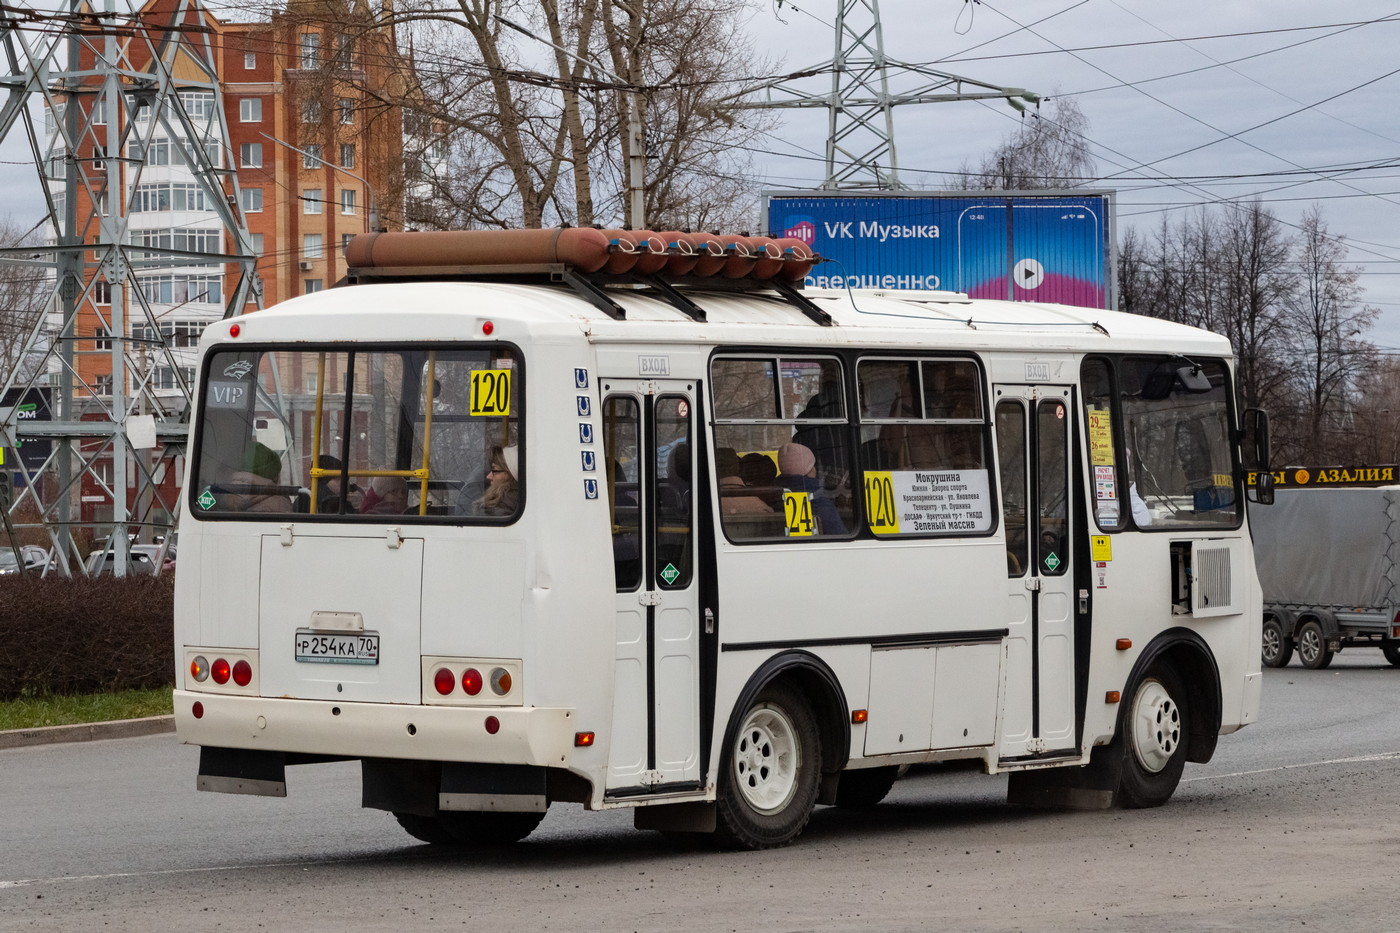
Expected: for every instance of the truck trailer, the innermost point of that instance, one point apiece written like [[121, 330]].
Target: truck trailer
[[1329, 564]]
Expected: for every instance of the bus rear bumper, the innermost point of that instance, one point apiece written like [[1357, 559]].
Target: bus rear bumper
[[539, 736]]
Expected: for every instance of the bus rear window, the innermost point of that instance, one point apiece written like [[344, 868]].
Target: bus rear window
[[356, 434]]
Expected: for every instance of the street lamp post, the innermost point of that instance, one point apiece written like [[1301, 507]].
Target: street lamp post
[[372, 218]]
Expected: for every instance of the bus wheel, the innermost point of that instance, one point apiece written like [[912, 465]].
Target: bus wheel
[[1154, 731], [1278, 648], [771, 774], [866, 787], [1312, 646], [479, 828], [1392, 654], [425, 829]]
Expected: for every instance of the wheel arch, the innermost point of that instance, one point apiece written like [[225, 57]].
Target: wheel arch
[[1193, 660], [815, 680]]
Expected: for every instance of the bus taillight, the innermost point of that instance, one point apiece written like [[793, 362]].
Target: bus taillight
[[220, 671], [471, 681], [199, 669], [444, 681], [500, 681], [242, 673]]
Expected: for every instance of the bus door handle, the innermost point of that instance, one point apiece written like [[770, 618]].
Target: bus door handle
[[1033, 583], [649, 598]]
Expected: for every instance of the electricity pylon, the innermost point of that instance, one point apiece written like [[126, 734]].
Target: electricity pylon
[[119, 93], [860, 143]]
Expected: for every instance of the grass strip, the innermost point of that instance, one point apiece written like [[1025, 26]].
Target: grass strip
[[35, 711]]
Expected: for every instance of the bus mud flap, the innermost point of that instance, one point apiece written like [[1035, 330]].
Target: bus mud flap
[[241, 771], [676, 817], [1091, 787]]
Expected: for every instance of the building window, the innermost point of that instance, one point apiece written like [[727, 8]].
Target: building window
[[311, 50], [103, 386], [99, 112], [257, 244], [311, 246], [345, 239], [101, 338], [347, 200], [347, 155], [311, 156], [102, 293], [344, 51], [311, 201], [250, 155], [250, 110], [250, 61], [347, 111], [198, 104], [311, 111], [168, 197], [311, 285], [252, 200]]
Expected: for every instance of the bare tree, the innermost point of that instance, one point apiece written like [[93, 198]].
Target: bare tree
[[533, 129], [1326, 321], [1049, 150], [22, 288]]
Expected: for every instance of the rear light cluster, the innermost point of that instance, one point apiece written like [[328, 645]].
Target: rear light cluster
[[216, 670], [468, 681]]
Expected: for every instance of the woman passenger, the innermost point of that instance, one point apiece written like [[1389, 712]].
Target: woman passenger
[[502, 496]]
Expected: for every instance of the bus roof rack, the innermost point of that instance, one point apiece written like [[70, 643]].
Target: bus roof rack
[[588, 259]]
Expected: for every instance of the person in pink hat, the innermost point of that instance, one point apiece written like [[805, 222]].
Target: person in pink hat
[[797, 472]]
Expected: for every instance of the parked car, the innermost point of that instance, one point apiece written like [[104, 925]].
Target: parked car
[[35, 559], [144, 558]]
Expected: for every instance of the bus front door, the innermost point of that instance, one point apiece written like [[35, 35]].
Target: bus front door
[[1033, 426], [649, 460]]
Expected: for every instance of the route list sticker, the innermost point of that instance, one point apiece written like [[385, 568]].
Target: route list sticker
[[916, 502]]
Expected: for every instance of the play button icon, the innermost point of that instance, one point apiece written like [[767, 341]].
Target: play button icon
[[1028, 274]]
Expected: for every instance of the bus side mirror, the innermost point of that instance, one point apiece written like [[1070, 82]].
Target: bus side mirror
[[1254, 424]]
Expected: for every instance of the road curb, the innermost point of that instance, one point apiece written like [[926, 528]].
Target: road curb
[[87, 732]]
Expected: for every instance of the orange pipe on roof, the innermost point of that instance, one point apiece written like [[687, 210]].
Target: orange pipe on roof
[[584, 248]]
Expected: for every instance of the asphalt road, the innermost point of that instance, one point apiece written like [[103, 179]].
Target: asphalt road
[[1295, 823]]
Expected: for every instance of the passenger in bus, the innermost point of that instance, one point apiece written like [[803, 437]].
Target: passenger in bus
[[502, 496], [760, 474], [674, 493], [327, 489], [261, 468], [733, 496], [797, 472], [387, 495]]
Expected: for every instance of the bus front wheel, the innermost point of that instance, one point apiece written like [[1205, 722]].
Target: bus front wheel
[[771, 775], [1154, 732]]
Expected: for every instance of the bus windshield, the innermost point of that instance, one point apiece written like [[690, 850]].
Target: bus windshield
[[345, 434]]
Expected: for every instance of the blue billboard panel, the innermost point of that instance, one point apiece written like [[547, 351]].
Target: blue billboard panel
[[1025, 247]]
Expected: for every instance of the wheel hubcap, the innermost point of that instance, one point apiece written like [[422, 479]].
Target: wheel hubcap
[[766, 759], [1271, 643], [1309, 646], [1156, 726]]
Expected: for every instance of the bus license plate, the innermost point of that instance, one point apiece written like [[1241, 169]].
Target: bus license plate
[[319, 647]]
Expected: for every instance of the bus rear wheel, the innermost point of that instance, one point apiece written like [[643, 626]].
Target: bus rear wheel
[[457, 827], [1153, 733], [866, 787], [1278, 647], [771, 772]]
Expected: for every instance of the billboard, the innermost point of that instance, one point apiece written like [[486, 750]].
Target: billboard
[[33, 405], [1053, 246]]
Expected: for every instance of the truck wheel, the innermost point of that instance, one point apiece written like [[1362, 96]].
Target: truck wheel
[[1278, 648], [488, 828], [771, 773], [1153, 733], [1392, 654], [1312, 647]]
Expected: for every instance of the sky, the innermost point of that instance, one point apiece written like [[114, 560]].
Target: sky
[[1189, 103]]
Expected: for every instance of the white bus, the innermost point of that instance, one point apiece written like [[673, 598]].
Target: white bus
[[511, 521]]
